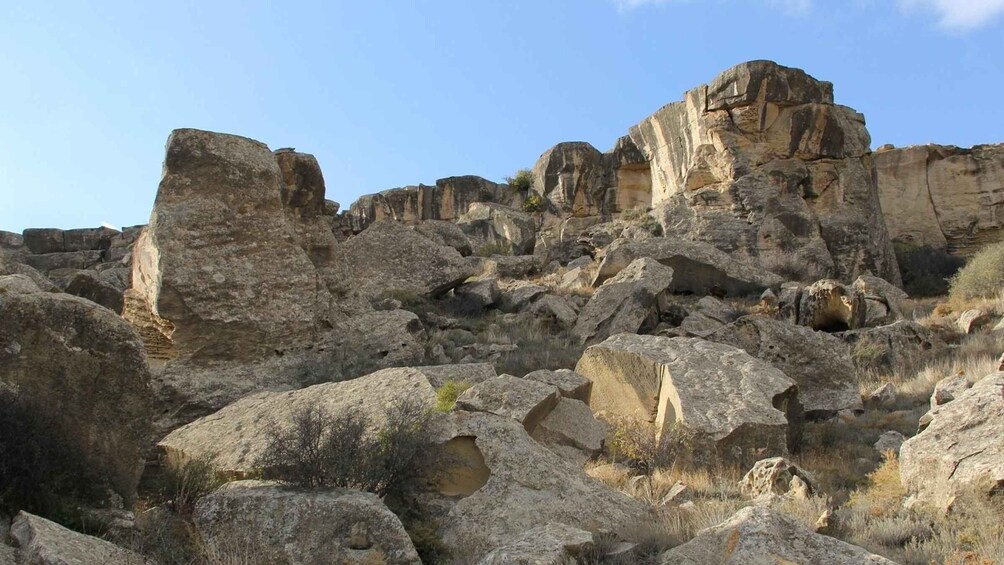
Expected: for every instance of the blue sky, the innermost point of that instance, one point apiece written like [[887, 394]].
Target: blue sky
[[389, 93]]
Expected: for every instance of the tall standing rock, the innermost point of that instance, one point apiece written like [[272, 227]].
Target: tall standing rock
[[220, 263], [761, 162]]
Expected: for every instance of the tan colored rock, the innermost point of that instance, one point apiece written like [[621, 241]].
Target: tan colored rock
[[391, 256], [574, 178], [551, 544], [827, 305], [757, 534], [571, 423], [772, 169], [943, 196], [219, 261], [630, 301], [47, 543], [960, 448], [326, 527], [741, 405], [947, 389], [971, 321], [775, 477], [569, 383], [526, 486], [495, 224], [820, 363], [526, 401], [882, 300], [889, 441], [698, 267], [484, 293], [85, 367], [893, 347], [234, 438]]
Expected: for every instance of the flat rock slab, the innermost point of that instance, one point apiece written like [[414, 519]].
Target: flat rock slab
[[47, 543], [526, 401], [627, 302], [570, 384]]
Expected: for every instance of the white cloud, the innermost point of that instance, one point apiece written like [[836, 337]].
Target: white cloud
[[959, 14], [109, 225]]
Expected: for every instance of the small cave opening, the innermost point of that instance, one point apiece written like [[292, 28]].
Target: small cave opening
[[463, 470]]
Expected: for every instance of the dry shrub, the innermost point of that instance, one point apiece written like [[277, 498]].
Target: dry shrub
[[637, 444], [537, 346], [320, 450], [187, 481], [982, 275]]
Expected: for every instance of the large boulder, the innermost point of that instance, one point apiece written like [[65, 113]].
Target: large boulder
[[960, 448], [219, 264], [776, 476], [234, 438], [631, 301], [820, 363], [495, 482], [762, 163], [757, 534], [574, 178], [942, 196], [825, 305], [326, 527], [389, 256], [699, 268], [894, 348], [47, 543], [489, 224], [550, 544], [84, 368], [883, 300], [739, 406], [524, 400]]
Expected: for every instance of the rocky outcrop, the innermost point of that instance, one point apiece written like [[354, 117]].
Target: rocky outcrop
[[960, 448], [574, 178], [220, 263], [390, 256], [825, 305], [447, 200], [327, 526], [47, 543], [234, 438], [490, 225], [893, 348], [739, 406], [569, 383], [762, 163], [496, 483], [882, 300], [757, 534], [942, 196], [630, 301], [84, 369], [820, 363], [776, 477], [698, 267]]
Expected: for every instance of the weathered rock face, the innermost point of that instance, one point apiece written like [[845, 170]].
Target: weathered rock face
[[574, 178], [520, 485], [391, 256], [741, 405], [447, 200], [825, 305], [960, 448], [943, 197], [327, 527], [629, 302], [569, 383], [893, 348], [698, 267], [551, 544], [759, 535], [820, 363], [526, 401], [762, 163], [776, 476], [488, 224], [47, 543], [234, 438], [882, 300], [220, 263], [84, 366], [302, 193]]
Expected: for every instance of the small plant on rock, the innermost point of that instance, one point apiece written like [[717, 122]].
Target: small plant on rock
[[446, 395], [534, 203], [522, 180]]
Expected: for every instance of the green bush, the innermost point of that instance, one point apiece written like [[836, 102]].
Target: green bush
[[534, 203], [926, 271], [446, 395], [522, 180], [320, 450], [983, 275]]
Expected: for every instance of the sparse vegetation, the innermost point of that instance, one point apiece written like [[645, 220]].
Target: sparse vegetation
[[323, 450], [521, 180], [446, 395], [491, 248], [983, 275], [534, 203], [187, 481]]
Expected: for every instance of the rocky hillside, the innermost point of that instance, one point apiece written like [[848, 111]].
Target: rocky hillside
[[693, 348]]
